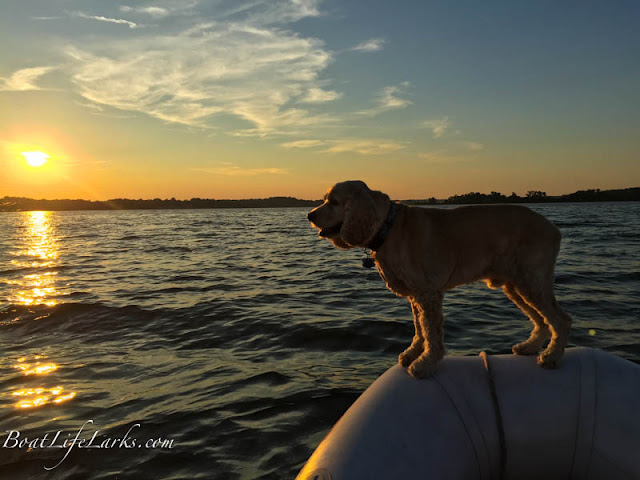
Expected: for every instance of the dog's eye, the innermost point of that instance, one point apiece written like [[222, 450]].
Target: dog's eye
[[332, 201]]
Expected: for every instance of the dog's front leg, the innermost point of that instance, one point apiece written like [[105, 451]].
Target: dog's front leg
[[407, 357], [430, 321]]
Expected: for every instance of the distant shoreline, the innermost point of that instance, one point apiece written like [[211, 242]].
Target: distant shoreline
[[21, 204]]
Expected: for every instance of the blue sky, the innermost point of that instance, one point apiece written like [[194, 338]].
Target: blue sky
[[231, 99]]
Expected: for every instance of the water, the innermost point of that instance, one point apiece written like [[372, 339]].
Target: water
[[236, 338]]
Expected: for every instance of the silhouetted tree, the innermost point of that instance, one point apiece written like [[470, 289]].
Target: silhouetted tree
[[513, 198], [536, 195]]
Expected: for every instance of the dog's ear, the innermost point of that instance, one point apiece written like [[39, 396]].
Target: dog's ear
[[360, 218]]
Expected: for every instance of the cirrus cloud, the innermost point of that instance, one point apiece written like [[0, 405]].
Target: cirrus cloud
[[318, 95], [304, 144], [248, 68], [474, 146], [372, 45], [153, 11], [228, 169], [100, 18], [24, 79], [389, 99], [438, 127], [363, 146]]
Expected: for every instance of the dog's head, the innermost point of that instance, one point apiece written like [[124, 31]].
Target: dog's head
[[350, 215]]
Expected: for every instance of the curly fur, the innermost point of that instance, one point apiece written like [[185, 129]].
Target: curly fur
[[429, 251], [359, 219]]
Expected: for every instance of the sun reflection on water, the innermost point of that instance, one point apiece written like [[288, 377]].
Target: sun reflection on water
[[39, 396], [40, 250], [37, 369]]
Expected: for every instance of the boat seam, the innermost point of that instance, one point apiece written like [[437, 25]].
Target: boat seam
[[496, 408], [576, 439], [455, 406]]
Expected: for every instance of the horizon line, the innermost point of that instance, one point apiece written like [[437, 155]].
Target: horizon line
[[289, 197], [13, 204]]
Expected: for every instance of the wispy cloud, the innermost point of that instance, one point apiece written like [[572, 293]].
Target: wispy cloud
[[371, 45], [318, 95], [363, 146], [269, 12], [304, 144], [250, 69], [439, 126], [24, 79], [389, 99], [99, 18], [153, 11], [228, 169], [474, 146], [58, 17], [443, 158]]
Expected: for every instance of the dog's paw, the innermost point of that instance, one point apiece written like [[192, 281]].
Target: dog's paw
[[549, 360], [525, 348], [407, 357], [422, 369]]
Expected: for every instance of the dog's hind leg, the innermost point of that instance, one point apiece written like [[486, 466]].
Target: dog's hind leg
[[559, 323], [417, 345], [430, 320], [540, 332]]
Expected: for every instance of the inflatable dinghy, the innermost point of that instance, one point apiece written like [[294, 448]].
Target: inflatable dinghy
[[486, 418]]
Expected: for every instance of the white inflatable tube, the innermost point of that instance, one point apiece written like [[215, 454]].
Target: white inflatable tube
[[491, 418]]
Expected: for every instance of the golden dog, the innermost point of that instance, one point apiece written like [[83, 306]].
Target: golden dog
[[422, 252]]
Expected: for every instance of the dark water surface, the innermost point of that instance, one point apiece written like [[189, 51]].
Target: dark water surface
[[236, 338]]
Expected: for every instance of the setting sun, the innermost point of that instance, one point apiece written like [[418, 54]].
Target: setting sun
[[35, 159]]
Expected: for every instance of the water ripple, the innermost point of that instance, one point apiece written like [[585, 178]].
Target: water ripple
[[241, 335]]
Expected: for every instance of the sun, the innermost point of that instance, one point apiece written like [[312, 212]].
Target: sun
[[35, 159]]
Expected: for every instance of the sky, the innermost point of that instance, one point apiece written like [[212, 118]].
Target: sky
[[259, 98]]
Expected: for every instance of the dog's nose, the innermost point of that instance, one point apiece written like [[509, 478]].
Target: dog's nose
[[310, 215]]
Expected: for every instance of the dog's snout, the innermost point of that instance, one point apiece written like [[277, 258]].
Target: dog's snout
[[311, 215]]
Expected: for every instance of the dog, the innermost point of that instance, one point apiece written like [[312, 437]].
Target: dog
[[422, 252]]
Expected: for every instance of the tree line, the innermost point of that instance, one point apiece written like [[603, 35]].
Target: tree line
[[18, 204], [536, 196]]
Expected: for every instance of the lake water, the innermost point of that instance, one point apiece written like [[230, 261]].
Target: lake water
[[223, 344]]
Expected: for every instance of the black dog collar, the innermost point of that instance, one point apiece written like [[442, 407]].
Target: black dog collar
[[381, 236]]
